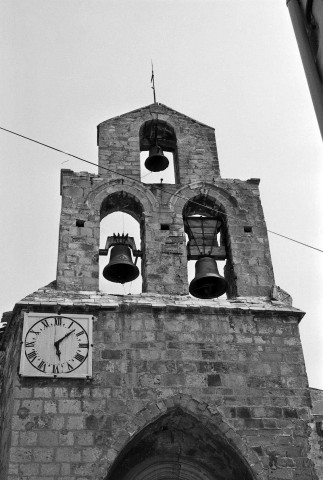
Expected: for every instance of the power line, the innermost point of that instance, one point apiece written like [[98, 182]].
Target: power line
[[296, 241], [156, 185], [113, 171]]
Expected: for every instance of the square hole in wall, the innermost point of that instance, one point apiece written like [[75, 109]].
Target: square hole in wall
[[164, 226], [247, 229], [80, 223]]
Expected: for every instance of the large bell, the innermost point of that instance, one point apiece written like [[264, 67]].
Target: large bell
[[120, 268], [208, 283], [156, 162]]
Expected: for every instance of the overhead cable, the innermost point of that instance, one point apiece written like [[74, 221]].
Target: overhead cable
[[156, 185]]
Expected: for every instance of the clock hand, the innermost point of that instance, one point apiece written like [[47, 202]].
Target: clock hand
[[56, 345], [59, 341], [58, 352]]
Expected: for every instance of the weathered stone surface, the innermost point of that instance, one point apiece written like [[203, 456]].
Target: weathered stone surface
[[316, 426], [155, 354], [164, 265], [208, 385]]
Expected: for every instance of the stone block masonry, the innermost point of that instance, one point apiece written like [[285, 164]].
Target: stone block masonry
[[316, 425], [181, 388], [119, 144], [164, 265], [88, 198], [237, 368]]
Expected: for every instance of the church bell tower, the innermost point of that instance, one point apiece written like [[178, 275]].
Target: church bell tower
[[187, 380]]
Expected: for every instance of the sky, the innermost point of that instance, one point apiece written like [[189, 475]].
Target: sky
[[68, 65]]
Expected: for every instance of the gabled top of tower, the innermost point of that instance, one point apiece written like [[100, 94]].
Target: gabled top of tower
[[192, 143], [157, 108]]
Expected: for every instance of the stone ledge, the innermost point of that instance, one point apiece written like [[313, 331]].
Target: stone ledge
[[50, 297]]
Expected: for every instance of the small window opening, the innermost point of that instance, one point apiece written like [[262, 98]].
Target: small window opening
[[248, 229], [80, 223], [164, 226]]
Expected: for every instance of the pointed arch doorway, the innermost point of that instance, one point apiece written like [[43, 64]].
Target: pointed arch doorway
[[177, 446]]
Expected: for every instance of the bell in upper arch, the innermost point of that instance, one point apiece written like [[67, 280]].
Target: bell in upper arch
[[120, 268], [156, 162], [207, 283]]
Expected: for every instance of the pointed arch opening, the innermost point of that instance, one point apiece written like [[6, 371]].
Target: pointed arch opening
[[178, 446]]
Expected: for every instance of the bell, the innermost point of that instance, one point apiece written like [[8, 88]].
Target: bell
[[120, 268], [156, 162], [207, 283]]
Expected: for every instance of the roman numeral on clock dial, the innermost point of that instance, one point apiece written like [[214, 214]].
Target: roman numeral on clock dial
[[79, 357], [32, 355], [42, 366]]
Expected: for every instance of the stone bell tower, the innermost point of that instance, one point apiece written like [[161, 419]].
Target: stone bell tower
[[163, 384]]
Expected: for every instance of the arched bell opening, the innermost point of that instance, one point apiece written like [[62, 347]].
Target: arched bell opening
[[121, 233], [158, 152], [207, 248], [178, 446]]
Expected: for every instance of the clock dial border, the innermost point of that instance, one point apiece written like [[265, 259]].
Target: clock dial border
[[28, 369]]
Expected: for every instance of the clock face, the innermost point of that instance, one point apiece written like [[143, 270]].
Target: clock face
[[56, 345]]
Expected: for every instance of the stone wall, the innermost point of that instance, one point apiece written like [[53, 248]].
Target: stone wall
[[9, 357], [90, 198], [119, 145], [178, 383], [232, 370], [316, 424]]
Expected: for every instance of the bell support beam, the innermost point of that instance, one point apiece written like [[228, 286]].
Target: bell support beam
[[194, 252]]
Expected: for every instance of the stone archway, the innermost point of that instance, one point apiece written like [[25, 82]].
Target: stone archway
[[214, 190], [169, 467], [128, 196], [182, 445], [130, 187], [218, 209]]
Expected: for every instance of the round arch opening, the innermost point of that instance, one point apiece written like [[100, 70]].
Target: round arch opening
[[158, 132], [205, 230], [121, 213]]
